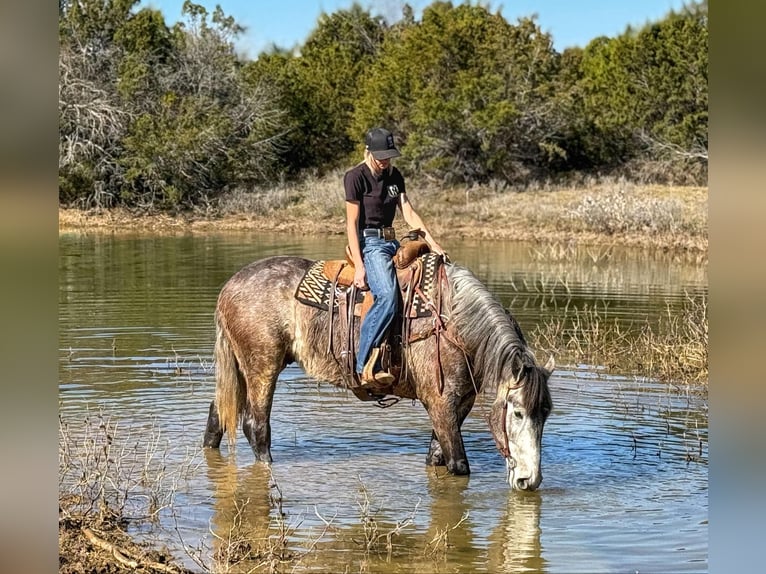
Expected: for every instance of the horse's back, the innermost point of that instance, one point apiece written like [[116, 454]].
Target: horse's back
[[259, 298], [273, 274]]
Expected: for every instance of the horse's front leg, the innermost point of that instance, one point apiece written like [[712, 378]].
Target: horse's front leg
[[447, 433], [453, 450], [446, 447], [435, 456]]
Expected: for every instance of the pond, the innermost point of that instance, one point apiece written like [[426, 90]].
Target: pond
[[625, 459]]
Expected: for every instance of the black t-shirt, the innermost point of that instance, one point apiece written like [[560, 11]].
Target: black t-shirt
[[377, 196]]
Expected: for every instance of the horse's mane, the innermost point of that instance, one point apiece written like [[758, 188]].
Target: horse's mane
[[493, 338]]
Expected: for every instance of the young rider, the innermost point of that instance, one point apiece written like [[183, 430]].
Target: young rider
[[374, 188]]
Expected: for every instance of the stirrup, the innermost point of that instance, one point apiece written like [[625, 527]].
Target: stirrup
[[371, 378], [384, 378]]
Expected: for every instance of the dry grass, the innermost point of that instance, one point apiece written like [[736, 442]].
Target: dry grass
[[376, 535], [438, 546], [106, 472], [615, 212], [589, 211], [675, 350], [109, 479]]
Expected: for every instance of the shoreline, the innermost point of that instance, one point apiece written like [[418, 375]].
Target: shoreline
[[123, 222], [665, 217]]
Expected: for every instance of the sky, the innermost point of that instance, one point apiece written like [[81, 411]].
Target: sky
[[288, 23]]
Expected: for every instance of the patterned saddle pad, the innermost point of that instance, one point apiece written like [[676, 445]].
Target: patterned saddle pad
[[315, 288]]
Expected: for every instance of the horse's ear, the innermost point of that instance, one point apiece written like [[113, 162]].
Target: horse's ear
[[550, 365], [517, 365]]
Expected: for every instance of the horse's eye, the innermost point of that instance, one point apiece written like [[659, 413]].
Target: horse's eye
[[518, 414]]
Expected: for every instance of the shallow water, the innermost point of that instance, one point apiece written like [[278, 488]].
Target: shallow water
[[624, 459]]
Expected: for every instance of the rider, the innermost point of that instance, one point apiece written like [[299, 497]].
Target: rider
[[373, 189]]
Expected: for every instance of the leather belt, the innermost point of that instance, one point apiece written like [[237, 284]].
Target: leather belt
[[386, 233]]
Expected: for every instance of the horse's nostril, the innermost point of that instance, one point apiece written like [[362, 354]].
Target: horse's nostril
[[522, 483]]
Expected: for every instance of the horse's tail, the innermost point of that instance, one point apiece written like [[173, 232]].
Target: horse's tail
[[229, 386]]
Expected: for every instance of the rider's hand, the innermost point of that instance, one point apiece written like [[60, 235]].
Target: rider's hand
[[360, 277], [436, 248]]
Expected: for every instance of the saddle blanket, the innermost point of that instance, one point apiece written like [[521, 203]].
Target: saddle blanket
[[314, 288]]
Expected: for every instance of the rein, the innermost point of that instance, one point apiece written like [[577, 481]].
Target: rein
[[439, 329]]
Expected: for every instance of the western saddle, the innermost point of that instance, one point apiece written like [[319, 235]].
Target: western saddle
[[409, 265]]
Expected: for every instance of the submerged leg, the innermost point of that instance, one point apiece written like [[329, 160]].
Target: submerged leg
[[213, 430], [446, 446], [435, 456], [261, 376], [257, 429]]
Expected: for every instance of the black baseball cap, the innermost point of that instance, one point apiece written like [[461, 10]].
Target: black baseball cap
[[380, 143]]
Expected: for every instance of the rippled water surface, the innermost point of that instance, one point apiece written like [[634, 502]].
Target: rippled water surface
[[624, 459]]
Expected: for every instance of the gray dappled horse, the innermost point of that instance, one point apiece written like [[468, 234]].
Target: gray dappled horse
[[261, 328]]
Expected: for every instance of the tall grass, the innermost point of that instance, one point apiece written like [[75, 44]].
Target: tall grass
[[313, 197], [674, 350]]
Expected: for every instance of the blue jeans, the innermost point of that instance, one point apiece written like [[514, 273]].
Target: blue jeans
[[381, 277]]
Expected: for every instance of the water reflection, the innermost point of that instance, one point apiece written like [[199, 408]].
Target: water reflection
[[242, 506], [449, 527], [514, 545]]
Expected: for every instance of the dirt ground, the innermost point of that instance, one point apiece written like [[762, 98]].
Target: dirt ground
[[121, 222], [107, 549]]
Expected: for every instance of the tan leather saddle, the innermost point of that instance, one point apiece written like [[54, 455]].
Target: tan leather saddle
[[406, 262], [328, 285]]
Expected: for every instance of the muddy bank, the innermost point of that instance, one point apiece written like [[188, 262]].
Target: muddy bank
[[105, 548]]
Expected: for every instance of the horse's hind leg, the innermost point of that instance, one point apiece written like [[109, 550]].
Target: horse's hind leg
[[213, 430], [261, 375]]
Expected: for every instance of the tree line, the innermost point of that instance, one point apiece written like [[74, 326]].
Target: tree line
[[172, 117]]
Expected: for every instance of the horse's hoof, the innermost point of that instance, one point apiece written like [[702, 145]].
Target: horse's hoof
[[459, 468], [212, 440], [435, 460]]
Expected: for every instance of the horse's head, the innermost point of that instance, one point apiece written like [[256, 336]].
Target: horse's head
[[517, 418]]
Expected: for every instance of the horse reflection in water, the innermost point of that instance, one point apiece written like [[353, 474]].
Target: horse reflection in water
[[244, 504], [250, 526], [514, 544], [450, 524], [261, 328]]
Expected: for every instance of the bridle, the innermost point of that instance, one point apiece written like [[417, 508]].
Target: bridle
[[507, 453]]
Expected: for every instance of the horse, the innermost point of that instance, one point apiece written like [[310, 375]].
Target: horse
[[261, 328]]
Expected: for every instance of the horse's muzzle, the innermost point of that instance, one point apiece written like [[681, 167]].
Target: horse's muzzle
[[524, 484], [527, 483]]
